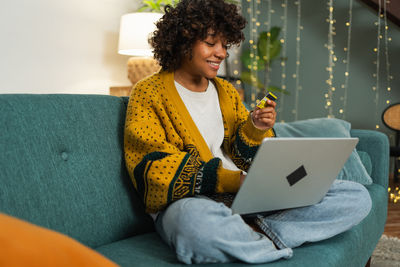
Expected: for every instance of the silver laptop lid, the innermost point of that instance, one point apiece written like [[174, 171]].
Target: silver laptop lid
[[291, 172]]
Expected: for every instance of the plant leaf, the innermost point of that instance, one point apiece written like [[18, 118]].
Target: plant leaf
[[248, 78], [275, 49], [142, 9], [273, 88], [268, 51], [274, 33], [250, 62], [153, 5]]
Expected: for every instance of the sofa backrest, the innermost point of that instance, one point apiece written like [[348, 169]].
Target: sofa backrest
[[62, 166]]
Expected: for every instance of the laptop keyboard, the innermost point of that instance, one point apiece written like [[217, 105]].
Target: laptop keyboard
[[226, 198]]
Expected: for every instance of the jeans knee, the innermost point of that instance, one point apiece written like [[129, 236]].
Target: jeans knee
[[360, 199], [173, 218], [189, 226], [365, 199], [188, 217]]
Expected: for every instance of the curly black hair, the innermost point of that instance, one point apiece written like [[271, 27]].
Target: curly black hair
[[190, 21]]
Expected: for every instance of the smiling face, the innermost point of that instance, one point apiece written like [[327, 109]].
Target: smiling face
[[207, 55]]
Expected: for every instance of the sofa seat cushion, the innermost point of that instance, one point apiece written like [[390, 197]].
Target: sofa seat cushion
[[351, 248]]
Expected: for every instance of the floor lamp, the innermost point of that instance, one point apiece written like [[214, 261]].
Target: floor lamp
[[135, 29]]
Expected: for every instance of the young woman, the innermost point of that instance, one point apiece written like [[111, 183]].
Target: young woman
[[189, 141]]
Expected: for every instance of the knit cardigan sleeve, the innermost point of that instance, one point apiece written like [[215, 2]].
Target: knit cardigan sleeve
[[162, 161], [243, 139]]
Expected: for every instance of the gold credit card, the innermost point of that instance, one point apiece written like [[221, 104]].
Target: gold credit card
[[263, 101]]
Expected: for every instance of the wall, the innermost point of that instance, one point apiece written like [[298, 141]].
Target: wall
[[361, 109], [53, 46]]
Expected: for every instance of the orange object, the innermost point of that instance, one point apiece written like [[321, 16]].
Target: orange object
[[25, 244]]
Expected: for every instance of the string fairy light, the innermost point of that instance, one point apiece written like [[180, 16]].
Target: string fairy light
[[347, 49], [283, 58], [394, 196], [331, 61], [297, 74], [267, 57], [389, 77], [236, 63], [254, 24], [377, 62]]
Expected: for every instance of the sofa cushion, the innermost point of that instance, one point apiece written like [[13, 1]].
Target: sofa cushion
[[62, 166], [376, 144], [25, 244], [353, 169], [366, 161]]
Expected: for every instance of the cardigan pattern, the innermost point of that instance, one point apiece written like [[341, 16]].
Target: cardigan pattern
[[165, 154]]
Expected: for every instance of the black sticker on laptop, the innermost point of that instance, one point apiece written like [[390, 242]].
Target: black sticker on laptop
[[297, 175]]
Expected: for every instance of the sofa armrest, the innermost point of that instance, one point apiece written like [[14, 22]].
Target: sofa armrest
[[376, 144]]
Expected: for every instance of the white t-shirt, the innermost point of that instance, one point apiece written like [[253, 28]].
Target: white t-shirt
[[206, 113]]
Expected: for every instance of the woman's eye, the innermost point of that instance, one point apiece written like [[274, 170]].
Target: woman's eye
[[209, 44]]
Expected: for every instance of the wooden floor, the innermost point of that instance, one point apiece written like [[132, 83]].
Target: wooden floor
[[392, 227]]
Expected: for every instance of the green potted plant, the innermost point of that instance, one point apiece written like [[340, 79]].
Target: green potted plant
[[268, 50], [156, 5]]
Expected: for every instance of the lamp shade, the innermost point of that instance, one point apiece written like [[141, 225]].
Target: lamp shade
[[134, 32]]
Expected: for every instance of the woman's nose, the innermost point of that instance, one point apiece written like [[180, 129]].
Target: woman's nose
[[220, 51]]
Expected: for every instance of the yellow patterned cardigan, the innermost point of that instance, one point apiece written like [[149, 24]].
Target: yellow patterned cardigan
[[166, 156]]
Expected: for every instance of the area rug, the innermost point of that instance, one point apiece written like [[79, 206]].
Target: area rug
[[386, 253]]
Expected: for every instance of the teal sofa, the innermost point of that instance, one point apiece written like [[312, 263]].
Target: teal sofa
[[62, 167]]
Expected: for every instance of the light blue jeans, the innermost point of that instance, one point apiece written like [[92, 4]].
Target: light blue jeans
[[201, 230]]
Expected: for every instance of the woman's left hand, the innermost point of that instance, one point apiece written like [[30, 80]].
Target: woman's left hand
[[264, 118]]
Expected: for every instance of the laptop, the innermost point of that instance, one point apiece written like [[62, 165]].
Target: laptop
[[291, 172]]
